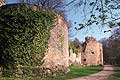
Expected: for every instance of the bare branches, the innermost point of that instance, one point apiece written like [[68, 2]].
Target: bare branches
[[101, 12], [71, 2], [57, 5]]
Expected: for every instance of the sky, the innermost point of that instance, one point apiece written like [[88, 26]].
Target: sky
[[74, 15], [11, 1], [92, 31]]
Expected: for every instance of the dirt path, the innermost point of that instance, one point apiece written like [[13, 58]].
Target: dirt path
[[102, 75]]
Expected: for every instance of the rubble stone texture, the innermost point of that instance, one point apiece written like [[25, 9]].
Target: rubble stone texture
[[57, 53], [74, 59], [92, 52]]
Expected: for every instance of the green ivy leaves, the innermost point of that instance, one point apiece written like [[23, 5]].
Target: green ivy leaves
[[24, 34]]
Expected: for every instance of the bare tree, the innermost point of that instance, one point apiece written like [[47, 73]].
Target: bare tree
[[111, 48], [57, 5], [98, 12], [2, 0]]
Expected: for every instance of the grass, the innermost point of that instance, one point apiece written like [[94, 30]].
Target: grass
[[75, 72], [116, 76]]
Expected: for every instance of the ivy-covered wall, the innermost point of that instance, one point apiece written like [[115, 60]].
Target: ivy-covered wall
[[73, 47], [32, 39], [24, 34], [75, 51]]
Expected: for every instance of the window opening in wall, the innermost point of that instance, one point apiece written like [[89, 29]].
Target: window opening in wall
[[84, 60], [92, 52]]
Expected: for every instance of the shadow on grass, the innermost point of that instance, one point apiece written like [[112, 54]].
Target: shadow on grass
[[116, 76]]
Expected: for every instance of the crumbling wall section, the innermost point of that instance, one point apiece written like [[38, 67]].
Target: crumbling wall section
[[92, 52], [57, 53]]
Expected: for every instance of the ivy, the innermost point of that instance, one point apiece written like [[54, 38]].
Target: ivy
[[24, 34], [73, 47]]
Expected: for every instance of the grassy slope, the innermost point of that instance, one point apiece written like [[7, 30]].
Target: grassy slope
[[116, 76], [75, 72]]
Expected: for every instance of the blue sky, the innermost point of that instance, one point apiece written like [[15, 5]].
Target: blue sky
[[93, 31], [75, 16], [11, 1]]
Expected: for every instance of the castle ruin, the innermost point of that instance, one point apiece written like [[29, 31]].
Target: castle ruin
[[56, 55], [91, 54]]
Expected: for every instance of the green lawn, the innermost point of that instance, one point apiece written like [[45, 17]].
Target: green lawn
[[75, 72], [116, 76]]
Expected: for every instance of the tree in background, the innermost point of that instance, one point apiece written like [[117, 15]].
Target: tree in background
[[111, 48], [76, 46], [98, 12], [2, 0], [77, 43], [57, 5], [116, 44]]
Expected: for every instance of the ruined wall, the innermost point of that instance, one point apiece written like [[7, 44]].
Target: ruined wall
[[74, 59], [57, 53], [92, 52], [78, 60], [56, 56], [101, 54], [2, 3]]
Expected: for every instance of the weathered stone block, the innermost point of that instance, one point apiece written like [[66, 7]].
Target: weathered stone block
[[57, 52], [92, 52]]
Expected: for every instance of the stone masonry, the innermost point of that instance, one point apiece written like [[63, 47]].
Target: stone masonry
[[74, 59], [92, 52], [57, 53]]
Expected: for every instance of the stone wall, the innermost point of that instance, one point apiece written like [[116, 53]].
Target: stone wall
[[57, 53], [74, 59], [92, 52]]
